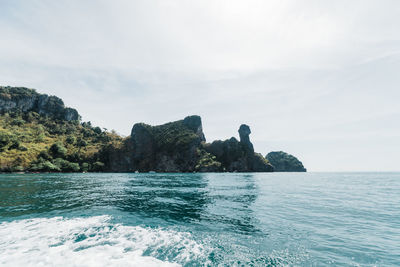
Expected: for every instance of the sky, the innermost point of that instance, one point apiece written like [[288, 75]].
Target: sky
[[317, 79]]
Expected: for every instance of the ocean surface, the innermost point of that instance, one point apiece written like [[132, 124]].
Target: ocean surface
[[226, 219]]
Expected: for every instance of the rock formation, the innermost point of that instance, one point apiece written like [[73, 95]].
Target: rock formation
[[238, 156], [171, 147], [180, 147], [25, 99], [244, 134], [284, 162]]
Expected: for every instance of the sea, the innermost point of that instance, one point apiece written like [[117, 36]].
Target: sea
[[200, 219]]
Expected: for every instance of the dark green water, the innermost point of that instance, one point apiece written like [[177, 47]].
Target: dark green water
[[265, 219]]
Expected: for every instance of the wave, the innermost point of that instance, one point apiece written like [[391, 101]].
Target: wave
[[93, 241]]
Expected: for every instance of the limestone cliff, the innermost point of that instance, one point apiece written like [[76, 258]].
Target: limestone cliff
[[24, 100], [171, 147], [180, 147], [39, 134]]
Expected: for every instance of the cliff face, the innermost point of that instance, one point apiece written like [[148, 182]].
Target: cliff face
[[25, 100], [237, 155], [180, 147], [284, 162], [171, 147]]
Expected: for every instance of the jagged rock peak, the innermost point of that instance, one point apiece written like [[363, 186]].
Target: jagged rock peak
[[244, 132], [139, 128], [170, 147], [194, 123], [25, 99]]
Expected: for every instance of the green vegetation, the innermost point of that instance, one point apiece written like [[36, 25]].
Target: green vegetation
[[8, 93], [37, 143], [284, 162], [207, 162], [172, 136]]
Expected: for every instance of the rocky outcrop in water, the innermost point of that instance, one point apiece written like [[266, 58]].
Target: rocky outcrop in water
[[180, 147], [237, 155], [24, 100], [171, 147], [284, 162]]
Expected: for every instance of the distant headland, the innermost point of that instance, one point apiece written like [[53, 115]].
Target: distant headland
[[39, 134]]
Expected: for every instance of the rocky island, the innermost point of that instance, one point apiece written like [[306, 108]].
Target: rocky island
[[38, 133], [284, 162], [180, 146]]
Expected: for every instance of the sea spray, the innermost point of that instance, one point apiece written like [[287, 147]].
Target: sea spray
[[92, 241]]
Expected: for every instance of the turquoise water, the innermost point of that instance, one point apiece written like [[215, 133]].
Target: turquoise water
[[227, 219]]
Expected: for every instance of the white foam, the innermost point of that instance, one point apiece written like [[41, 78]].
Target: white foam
[[92, 241]]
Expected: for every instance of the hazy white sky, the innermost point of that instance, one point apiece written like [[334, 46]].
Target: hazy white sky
[[318, 79]]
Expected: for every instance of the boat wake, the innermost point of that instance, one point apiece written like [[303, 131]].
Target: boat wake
[[93, 241]]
